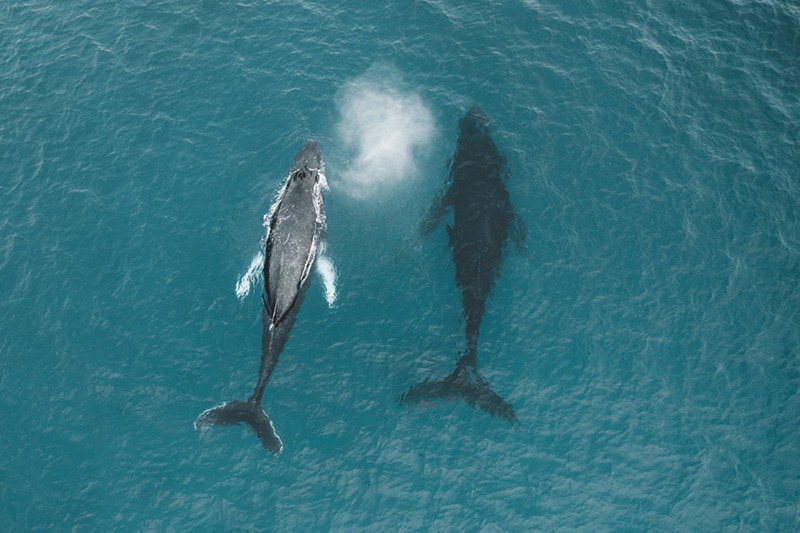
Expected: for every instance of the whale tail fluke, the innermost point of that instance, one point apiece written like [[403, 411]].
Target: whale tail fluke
[[464, 383], [249, 412]]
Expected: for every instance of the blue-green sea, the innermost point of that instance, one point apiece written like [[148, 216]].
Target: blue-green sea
[[648, 334]]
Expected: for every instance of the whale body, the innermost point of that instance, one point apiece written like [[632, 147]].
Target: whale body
[[483, 221], [295, 239]]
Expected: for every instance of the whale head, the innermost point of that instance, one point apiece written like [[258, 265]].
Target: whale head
[[309, 159], [475, 121]]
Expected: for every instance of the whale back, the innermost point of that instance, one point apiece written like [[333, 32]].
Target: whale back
[[293, 242], [482, 212]]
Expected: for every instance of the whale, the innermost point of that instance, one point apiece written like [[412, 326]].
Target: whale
[[483, 220], [295, 238]]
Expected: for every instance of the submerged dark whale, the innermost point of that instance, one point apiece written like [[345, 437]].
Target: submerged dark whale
[[483, 220], [295, 238]]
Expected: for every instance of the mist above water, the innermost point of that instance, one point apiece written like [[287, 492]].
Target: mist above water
[[384, 128]]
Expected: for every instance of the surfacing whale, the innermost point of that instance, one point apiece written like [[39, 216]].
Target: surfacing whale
[[483, 219], [295, 238]]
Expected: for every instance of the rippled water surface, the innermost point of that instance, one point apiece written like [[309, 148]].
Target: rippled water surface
[[648, 335]]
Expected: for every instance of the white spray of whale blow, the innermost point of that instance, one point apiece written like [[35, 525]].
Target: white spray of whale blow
[[383, 129]]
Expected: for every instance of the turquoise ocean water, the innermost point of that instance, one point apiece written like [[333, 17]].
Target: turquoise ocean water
[[648, 337]]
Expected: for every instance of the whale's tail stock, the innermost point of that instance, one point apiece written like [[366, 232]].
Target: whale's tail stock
[[463, 383], [249, 412]]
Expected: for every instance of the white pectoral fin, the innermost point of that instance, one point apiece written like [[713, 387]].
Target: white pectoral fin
[[328, 274], [254, 271]]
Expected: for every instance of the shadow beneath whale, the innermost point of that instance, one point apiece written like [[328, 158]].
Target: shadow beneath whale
[[483, 221]]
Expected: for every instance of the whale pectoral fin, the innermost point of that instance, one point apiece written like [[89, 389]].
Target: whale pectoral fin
[[327, 272], [438, 209], [451, 234], [254, 272]]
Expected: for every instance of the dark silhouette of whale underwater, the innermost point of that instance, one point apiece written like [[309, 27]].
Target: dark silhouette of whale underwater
[[295, 238], [483, 219]]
